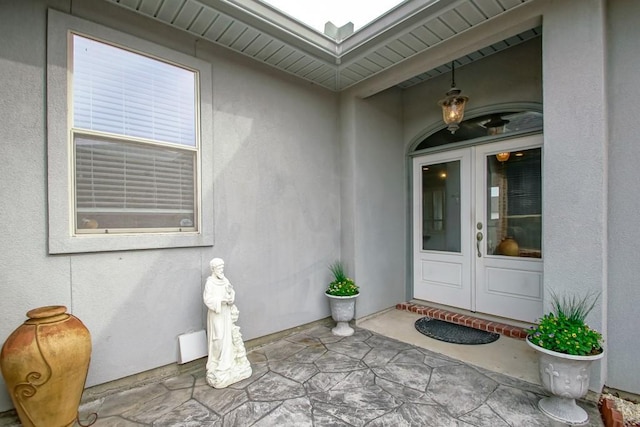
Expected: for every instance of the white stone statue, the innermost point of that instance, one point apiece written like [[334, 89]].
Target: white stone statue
[[227, 362]]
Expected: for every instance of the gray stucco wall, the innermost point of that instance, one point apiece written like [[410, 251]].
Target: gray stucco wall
[[623, 63], [276, 206], [574, 171]]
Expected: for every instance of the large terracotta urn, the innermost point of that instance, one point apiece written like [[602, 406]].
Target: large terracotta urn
[[44, 364]]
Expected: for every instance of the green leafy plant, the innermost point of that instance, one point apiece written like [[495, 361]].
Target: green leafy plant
[[341, 285], [564, 329]]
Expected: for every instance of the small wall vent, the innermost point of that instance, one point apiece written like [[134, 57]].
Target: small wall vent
[[192, 346]]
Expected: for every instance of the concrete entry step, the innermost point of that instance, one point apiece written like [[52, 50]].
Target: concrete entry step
[[466, 319]]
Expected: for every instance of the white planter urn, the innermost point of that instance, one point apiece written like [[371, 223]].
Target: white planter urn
[[342, 311], [566, 377]]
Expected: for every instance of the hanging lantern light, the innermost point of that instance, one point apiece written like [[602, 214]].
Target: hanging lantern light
[[453, 105]]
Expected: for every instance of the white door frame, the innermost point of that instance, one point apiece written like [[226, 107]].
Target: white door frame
[[460, 279]]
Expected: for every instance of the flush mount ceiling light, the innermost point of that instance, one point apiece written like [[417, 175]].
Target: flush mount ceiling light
[[496, 126], [453, 105], [503, 157]]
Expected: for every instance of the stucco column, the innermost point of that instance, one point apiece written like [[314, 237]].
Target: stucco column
[[575, 156], [373, 205], [623, 341]]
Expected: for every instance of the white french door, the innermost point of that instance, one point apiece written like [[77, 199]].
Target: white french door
[[478, 226], [442, 228]]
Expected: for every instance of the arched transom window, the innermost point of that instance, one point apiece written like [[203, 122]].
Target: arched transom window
[[486, 126]]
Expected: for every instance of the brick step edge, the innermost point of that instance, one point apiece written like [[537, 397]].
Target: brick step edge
[[610, 415], [466, 320]]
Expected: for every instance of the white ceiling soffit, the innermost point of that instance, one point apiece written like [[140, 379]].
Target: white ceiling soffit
[[263, 33]]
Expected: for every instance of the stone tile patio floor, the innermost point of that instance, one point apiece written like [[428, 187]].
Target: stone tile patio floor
[[313, 378]]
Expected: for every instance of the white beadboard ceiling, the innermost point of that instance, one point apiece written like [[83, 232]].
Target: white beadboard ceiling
[[263, 33]]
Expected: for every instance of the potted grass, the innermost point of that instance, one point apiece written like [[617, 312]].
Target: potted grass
[[342, 293], [566, 348]]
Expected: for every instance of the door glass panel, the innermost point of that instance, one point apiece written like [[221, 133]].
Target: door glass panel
[[441, 207], [514, 203]]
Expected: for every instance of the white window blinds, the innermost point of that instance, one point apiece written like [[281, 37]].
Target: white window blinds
[[121, 92], [135, 146]]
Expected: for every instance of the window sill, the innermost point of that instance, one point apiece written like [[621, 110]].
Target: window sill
[[111, 242]]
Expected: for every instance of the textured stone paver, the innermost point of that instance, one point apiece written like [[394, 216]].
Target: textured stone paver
[[460, 388], [314, 378]]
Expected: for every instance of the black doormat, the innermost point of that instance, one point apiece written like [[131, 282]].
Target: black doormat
[[450, 332]]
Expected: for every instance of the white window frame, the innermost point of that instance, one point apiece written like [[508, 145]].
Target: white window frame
[[62, 236]]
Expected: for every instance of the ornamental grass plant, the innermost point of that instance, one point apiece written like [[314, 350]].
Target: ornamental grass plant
[[341, 285], [564, 330]]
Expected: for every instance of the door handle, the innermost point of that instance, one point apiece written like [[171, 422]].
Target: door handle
[[479, 237]]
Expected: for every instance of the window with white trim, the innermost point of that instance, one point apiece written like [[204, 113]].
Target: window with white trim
[[135, 143], [127, 145]]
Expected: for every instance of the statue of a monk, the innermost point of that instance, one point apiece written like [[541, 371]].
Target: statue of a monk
[[227, 362]]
